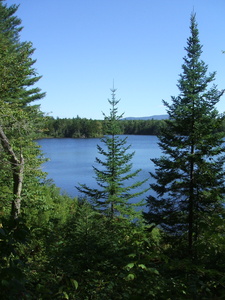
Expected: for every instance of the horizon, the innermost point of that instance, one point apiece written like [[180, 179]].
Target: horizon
[[125, 118]]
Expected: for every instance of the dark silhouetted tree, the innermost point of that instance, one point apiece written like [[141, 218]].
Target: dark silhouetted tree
[[189, 175]]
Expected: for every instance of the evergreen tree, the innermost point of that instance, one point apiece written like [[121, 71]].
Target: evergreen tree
[[113, 194], [18, 119], [189, 175]]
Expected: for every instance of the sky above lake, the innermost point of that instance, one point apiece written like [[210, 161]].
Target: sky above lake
[[82, 46]]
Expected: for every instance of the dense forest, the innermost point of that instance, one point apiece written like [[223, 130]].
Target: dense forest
[[100, 246], [86, 128]]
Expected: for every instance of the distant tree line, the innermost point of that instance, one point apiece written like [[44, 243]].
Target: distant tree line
[[88, 128]]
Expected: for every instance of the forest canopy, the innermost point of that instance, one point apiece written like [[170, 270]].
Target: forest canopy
[[89, 128]]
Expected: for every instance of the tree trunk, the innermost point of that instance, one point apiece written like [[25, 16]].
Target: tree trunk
[[191, 214], [17, 166], [191, 205]]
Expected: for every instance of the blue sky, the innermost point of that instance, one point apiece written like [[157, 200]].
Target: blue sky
[[82, 45]]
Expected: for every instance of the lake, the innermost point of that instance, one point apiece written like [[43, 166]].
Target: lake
[[71, 160]]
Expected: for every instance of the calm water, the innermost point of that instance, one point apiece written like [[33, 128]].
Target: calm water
[[71, 160]]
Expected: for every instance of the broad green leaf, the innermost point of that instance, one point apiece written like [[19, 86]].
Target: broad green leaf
[[129, 266], [75, 283], [66, 295], [142, 266], [153, 270], [130, 276]]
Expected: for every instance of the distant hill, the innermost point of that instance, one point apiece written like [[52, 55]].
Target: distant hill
[[155, 117]]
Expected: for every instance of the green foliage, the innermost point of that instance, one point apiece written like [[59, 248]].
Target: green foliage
[[105, 259], [13, 235], [18, 119], [43, 203], [189, 186], [84, 128], [27, 245], [73, 128], [190, 176], [114, 194]]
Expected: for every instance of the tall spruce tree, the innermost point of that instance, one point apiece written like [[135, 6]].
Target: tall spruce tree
[[114, 194], [189, 175]]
